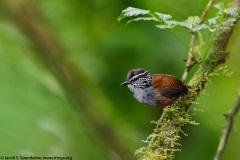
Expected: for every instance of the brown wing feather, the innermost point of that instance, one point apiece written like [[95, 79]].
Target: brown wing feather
[[168, 88], [173, 91], [165, 80]]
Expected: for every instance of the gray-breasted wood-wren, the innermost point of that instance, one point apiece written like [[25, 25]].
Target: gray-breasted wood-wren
[[154, 89]]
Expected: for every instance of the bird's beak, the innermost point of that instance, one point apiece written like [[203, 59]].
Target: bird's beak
[[124, 83]]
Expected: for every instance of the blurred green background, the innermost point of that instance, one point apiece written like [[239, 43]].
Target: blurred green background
[[85, 114]]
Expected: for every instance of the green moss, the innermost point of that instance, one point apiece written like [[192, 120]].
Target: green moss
[[164, 141]]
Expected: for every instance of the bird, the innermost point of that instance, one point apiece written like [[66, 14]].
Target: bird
[[155, 89]]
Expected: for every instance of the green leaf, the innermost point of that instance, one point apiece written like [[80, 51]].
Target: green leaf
[[168, 24], [162, 26], [212, 20], [172, 23], [219, 6], [203, 26], [233, 11], [130, 11], [229, 20], [187, 23], [163, 17], [142, 19]]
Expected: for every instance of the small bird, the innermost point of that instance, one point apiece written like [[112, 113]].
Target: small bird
[[155, 89]]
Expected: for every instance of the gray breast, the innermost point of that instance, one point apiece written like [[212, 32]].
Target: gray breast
[[145, 95]]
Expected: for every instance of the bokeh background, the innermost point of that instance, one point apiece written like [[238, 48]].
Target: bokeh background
[[61, 64]]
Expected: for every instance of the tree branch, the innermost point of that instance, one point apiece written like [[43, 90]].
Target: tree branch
[[190, 63], [226, 132]]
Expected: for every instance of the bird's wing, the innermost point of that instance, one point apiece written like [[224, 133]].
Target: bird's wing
[[168, 86]]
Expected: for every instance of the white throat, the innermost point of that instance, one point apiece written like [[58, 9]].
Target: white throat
[[143, 95]]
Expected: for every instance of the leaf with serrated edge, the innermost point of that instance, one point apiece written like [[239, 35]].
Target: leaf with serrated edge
[[163, 17], [232, 11], [163, 26], [168, 24], [130, 11], [230, 20], [219, 6], [212, 20], [172, 23], [203, 26], [186, 23], [142, 19]]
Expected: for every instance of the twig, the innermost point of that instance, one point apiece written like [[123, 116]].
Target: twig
[[227, 130], [190, 63]]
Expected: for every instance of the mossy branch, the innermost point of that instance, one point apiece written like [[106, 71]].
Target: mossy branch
[[162, 143]]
